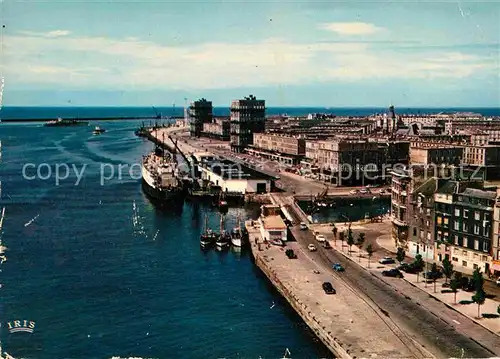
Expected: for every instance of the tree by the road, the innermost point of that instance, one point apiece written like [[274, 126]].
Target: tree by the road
[[418, 264], [370, 251], [455, 284], [400, 255], [447, 268], [360, 242], [433, 273], [350, 240], [335, 230], [342, 238], [480, 296]]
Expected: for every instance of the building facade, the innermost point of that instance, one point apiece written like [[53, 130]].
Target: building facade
[[218, 129], [426, 153], [199, 113], [282, 148], [248, 116]]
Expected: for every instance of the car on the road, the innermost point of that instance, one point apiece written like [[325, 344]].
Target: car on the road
[[395, 273], [338, 267], [312, 247], [387, 260], [498, 282], [353, 191], [382, 191], [320, 238], [327, 245], [364, 190], [328, 288], [290, 254], [303, 226]]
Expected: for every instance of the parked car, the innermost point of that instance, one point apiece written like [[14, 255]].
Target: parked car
[[430, 275], [382, 191], [303, 226], [353, 191], [290, 254], [320, 238], [338, 267], [311, 247], [395, 273], [387, 260], [326, 245], [364, 191], [328, 288], [498, 282], [408, 268]]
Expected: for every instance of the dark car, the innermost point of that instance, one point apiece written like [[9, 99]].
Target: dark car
[[395, 273], [338, 267], [387, 260], [290, 254], [432, 276], [327, 245], [408, 268], [328, 288]]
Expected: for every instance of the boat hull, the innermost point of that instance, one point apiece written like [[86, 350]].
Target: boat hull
[[173, 195]]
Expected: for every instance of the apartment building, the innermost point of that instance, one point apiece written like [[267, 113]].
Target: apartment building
[[217, 129], [495, 239], [199, 113], [283, 148], [472, 229], [347, 161], [248, 116], [437, 153], [485, 158]]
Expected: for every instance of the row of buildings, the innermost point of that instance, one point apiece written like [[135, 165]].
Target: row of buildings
[[439, 216]]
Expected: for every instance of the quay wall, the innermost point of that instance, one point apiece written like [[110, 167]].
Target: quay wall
[[301, 308]]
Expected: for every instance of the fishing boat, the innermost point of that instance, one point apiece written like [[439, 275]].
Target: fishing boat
[[63, 123], [208, 236], [236, 235], [98, 130], [224, 239]]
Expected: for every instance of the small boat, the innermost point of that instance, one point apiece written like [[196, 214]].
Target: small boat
[[208, 237], [63, 123], [287, 354], [98, 130], [224, 238], [236, 235]]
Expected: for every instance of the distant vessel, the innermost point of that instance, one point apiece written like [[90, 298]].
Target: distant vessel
[[208, 236], [62, 123], [159, 176], [236, 235], [98, 130]]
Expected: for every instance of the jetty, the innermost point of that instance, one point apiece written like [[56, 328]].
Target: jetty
[[348, 325]]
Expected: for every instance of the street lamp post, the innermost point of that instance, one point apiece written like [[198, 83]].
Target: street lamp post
[[426, 263]]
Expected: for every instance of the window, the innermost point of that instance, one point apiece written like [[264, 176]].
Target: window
[[485, 246], [476, 245], [464, 253], [485, 259], [465, 244], [446, 221], [456, 225], [456, 240], [439, 220], [422, 234], [454, 259], [428, 236], [464, 263], [414, 231], [457, 212], [466, 213], [466, 227], [476, 229], [474, 266], [477, 216]]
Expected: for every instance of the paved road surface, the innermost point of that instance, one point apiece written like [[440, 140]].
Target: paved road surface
[[441, 336]]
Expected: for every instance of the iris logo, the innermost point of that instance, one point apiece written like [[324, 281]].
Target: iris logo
[[26, 326]]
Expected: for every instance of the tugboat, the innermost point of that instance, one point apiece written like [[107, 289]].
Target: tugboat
[[63, 123], [208, 237], [224, 238], [236, 235], [98, 130], [159, 176]]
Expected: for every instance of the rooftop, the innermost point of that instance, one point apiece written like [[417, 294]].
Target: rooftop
[[477, 193], [273, 222]]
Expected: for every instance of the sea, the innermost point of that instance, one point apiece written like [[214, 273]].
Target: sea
[[95, 270]]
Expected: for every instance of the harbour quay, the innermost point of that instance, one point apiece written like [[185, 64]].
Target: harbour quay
[[347, 325]]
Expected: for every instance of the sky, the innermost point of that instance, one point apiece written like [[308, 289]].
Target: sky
[[290, 53]]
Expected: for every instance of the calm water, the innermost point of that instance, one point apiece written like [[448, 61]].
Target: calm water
[[70, 111], [101, 279]]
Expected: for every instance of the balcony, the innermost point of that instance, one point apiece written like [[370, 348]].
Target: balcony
[[399, 222]]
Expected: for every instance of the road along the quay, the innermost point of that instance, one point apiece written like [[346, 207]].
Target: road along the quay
[[432, 325]]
